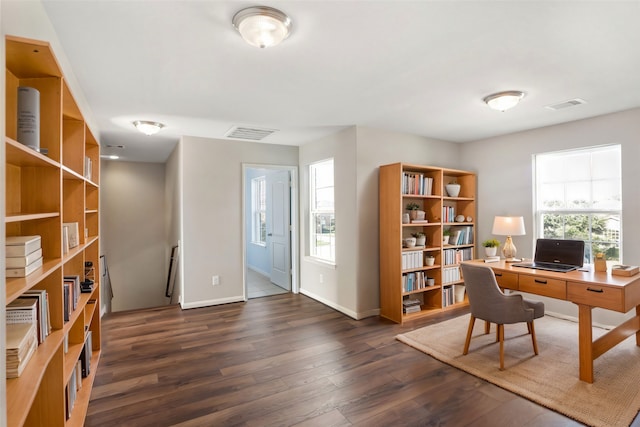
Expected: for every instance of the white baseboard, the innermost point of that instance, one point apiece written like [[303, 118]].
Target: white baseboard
[[207, 303], [341, 309]]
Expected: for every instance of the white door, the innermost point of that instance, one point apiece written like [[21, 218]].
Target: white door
[[278, 227]]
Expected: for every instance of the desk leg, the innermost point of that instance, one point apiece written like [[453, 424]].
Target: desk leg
[[585, 343], [638, 333]]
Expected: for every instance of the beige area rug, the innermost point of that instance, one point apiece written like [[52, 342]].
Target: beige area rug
[[549, 379]]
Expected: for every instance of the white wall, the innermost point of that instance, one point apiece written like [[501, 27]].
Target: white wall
[[134, 233], [505, 180], [173, 214], [212, 228], [352, 286]]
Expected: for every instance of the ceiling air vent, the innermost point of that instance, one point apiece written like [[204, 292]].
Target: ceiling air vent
[[566, 104], [249, 133]]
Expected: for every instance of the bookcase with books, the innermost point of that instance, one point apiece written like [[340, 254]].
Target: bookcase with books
[[52, 234], [424, 279]]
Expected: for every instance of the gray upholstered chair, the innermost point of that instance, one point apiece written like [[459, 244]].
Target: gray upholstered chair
[[490, 304]]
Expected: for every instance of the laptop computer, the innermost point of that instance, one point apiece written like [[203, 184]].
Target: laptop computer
[[556, 255]]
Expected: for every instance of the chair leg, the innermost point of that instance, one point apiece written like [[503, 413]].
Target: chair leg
[[533, 337], [487, 326], [472, 321], [501, 338]]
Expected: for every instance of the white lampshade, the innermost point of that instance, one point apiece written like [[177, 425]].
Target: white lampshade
[[504, 100], [147, 127], [262, 26], [508, 226]]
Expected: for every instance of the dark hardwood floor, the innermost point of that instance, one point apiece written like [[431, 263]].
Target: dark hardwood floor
[[285, 360]]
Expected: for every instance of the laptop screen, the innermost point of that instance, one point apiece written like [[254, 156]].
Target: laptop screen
[[556, 251]]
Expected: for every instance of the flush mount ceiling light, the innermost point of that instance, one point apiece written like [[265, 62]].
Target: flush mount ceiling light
[[147, 127], [262, 26], [502, 101]]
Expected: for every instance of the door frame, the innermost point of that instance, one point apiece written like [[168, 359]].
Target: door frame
[[294, 235]]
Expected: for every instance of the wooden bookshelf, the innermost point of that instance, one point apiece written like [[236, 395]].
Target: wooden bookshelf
[[399, 185], [43, 191]]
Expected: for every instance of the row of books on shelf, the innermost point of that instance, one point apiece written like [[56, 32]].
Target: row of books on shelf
[[415, 281], [462, 236], [82, 370], [412, 259], [451, 274], [28, 325], [456, 256], [411, 305], [23, 255], [71, 295], [452, 295], [416, 183]]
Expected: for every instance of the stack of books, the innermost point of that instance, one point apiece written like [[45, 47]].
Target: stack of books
[[22, 342], [410, 306], [24, 255], [21, 311]]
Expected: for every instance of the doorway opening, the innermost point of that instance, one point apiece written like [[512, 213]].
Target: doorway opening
[[270, 230]]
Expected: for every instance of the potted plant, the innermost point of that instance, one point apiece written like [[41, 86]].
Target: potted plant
[[413, 207], [453, 188], [429, 260], [490, 247], [446, 233], [421, 238]]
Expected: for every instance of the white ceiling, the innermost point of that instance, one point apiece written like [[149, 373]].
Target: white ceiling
[[420, 67]]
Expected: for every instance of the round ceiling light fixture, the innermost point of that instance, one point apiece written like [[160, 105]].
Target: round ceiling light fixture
[[502, 101], [148, 127], [262, 26]]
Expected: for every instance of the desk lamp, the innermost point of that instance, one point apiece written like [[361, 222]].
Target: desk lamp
[[509, 226]]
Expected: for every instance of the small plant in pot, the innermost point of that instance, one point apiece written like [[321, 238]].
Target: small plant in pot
[[413, 210], [490, 247], [421, 238], [446, 234], [429, 260]]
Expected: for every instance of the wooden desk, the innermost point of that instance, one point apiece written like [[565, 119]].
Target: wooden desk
[[587, 290]]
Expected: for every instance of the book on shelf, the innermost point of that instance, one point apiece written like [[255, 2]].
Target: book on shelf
[[22, 342], [73, 235], [411, 309], [74, 291], [87, 167], [492, 258], [22, 310], [23, 261], [624, 270], [21, 246], [44, 317], [24, 271], [85, 355]]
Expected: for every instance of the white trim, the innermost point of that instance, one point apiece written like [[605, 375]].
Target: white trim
[[341, 309], [207, 303]]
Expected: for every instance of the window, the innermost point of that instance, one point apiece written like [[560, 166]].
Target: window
[[322, 221], [578, 196], [258, 211]]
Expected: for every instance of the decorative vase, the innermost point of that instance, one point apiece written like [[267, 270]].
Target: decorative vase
[[420, 241], [490, 251], [445, 240], [409, 242], [413, 214], [429, 261], [405, 218], [453, 189]]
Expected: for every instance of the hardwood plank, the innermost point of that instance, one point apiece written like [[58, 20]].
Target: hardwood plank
[[285, 360]]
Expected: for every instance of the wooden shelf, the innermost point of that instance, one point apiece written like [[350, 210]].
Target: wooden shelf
[[43, 191], [392, 206]]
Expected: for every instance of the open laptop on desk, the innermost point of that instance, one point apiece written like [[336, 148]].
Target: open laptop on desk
[[556, 255]]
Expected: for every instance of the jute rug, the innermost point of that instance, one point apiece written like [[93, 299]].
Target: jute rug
[[549, 379]]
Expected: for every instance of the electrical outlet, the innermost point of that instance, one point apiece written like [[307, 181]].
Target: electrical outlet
[[321, 278], [215, 280]]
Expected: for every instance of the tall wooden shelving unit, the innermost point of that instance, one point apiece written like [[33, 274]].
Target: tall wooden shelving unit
[[393, 199], [43, 191]]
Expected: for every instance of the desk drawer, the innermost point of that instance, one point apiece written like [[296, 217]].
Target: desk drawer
[[507, 280], [596, 296], [543, 286]]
